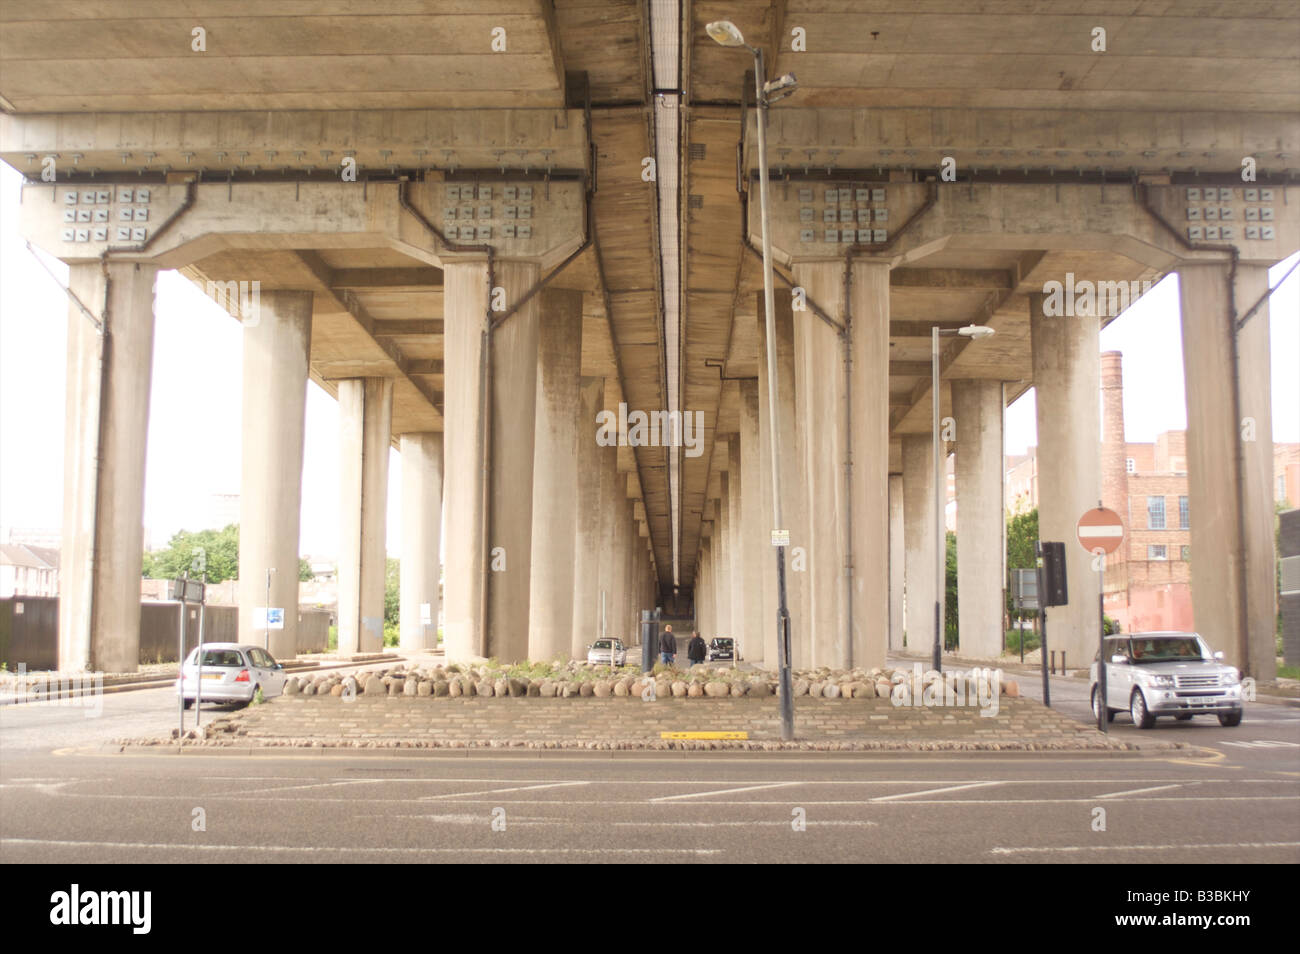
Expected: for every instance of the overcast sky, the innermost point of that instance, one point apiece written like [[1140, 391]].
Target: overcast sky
[[194, 423]]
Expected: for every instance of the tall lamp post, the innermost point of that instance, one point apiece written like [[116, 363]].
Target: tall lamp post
[[940, 484], [725, 33]]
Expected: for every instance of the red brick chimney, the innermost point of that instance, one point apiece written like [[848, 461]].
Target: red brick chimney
[[1114, 451]]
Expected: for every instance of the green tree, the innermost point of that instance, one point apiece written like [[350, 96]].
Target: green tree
[[1022, 534], [304, 571], [219, 549], [392, 601]]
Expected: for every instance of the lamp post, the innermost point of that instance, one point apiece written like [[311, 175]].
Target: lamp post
[[940, 484], [725, 33]]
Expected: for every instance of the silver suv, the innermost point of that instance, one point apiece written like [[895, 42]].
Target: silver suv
[[1167, 674]]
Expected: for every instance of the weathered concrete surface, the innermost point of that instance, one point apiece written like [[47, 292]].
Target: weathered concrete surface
[[555, 474], [365, 426], [869, 440], [1217, 439], [1067, 382], [277, 349], [421, 538], [587, 545], [104, 463], [977, 409], [897, 556], [755, 542], [919, 542]]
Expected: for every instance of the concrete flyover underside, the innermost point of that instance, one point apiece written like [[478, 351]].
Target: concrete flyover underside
[[446, 210]]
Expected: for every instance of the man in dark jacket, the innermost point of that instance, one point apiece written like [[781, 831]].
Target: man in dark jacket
[[667, 646], [696, 650]]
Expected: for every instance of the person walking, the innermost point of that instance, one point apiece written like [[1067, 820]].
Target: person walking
[[696, 650], [667, 646]]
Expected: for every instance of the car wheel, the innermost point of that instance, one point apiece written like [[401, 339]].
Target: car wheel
[[1184, 717], [1110, 713], [1142, 718], [1229, 719]]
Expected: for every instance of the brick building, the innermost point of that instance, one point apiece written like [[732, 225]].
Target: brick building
[[1148, 580]]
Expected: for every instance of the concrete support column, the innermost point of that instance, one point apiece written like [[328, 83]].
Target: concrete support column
[[555, 489], [1230, 464], [820, 378], [421, 538], [977, 409], [510, 502], [919, 542], [365, 425], [794, 502], [869, 441], [722, 582], [609, 490], [703, 616], [1067, 382], [736, 542], [277, 352], [896, 561], [107, 421], [755, 542], [465, 303], [587, 545], [622, 539]]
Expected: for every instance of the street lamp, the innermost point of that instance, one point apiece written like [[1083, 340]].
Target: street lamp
[[725, 33], [941, 549]]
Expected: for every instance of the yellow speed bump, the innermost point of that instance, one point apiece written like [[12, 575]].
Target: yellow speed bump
[[704, 735]]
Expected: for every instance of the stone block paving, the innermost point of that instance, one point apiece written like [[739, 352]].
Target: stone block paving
[[629, 723]]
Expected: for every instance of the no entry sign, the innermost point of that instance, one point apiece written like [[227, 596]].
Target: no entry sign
[[1100, 529]]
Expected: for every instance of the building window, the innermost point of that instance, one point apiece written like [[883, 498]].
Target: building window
[[1183, 521], [1156, 513], [1130, 465], [1156, 552], [1187, 554]]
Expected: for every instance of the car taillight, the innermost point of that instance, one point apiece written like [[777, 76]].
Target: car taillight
[[242, 677]]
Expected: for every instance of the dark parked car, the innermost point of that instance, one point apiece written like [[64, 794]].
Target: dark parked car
[[721, 647]]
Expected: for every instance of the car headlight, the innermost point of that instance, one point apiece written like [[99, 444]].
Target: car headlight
[[1160, 680], [1230, 678]]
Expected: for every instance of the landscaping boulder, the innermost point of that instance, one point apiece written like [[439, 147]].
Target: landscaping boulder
[[716, 689]]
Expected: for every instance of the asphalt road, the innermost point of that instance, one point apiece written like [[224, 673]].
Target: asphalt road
[[1236, 798]]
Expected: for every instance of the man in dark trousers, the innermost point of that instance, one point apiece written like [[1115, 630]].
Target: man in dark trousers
[[667, 646], [696, 650]]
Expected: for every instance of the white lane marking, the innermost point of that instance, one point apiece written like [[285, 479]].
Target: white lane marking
[[933, 791], [1139, 791], [501, 791], [326, 849], [851, 822], [725, 791], [299, 788], [1074, 848]]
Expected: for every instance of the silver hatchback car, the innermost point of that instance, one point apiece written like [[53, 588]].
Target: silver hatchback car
[[231, 672], [1167, 674], [599, 653]]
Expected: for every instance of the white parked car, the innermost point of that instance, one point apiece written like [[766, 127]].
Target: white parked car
[[1167, 674], [231, 672], [599, 652]]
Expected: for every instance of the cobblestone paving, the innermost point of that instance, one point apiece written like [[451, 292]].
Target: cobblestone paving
[[630, 723]]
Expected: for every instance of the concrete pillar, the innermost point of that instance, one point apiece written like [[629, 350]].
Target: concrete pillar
[[421, 538], [621, 522], [465, 303], [722, 586], [587, 545], [277, 353], [510, 502], [919, 542], [609, 491], [1230, 458], [560, 413], [736, 542], [896, 558], [365, 425], [703, 615], [107, 421], [820, 378], [794, 502], [754, 526], [869, 441], [977, 409], [1067, 377]]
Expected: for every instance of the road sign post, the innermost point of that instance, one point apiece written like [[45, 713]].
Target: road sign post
[[1100, 532]]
